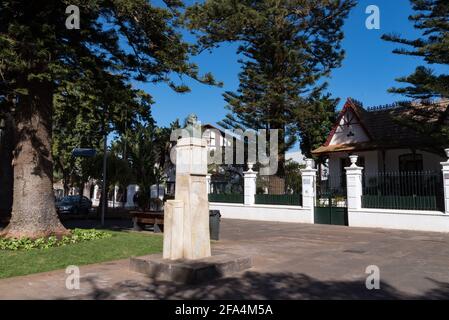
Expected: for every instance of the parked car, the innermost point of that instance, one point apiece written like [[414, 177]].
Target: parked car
[[74, 205]]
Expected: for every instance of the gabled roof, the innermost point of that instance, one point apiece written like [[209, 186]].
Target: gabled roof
[[383, 127], [353, 106]]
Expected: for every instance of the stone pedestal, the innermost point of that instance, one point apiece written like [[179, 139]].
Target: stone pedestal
[[190, 271], [191, 197], [173, 230]]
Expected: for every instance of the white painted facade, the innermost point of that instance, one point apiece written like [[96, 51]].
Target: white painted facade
[[349, 131], [361, 132], [387, 160], [215, 137]]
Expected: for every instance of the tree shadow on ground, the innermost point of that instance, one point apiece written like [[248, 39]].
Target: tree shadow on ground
[[255, 285]]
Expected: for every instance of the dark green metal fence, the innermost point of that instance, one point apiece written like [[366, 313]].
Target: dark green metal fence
[[226, 190], [331, 191], [331, 202], [422, 190], [278, 191], [227, 198], [229, 186], [279, 199]]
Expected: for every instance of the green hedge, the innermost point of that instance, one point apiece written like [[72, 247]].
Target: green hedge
[[76, 236]]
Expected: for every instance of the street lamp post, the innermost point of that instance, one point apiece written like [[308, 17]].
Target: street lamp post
[[105, 159], [104, 196]]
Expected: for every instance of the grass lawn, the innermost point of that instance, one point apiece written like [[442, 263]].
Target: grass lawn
[[120, 246]]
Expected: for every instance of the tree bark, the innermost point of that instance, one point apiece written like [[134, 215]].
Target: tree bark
[[34, 212], [6, 172]]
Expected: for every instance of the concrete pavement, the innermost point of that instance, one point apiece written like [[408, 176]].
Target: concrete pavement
[[291, 261]]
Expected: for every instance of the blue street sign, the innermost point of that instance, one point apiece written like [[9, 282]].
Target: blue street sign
[[84, 152]]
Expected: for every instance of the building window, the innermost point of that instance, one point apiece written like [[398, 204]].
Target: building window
[[411, 162]]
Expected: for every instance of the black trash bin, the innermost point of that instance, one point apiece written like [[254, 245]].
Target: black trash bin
[[214, 224]]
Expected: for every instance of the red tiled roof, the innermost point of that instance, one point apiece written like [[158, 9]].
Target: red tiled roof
[[384, 126]]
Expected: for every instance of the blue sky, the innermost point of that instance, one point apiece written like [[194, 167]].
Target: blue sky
[[368, 70]]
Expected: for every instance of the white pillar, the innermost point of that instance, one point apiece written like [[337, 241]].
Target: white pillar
[[96, 196], [446, 181], [114, 200], [250, 177], [309, 187], [130, 192], [208, 181], [354, 184]]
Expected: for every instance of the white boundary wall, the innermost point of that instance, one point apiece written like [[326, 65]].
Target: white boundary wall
[[263, 212], [357, 217], [433, 221], [399, 219]]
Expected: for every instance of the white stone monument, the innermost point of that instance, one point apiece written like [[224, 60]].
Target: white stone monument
[[192, 226], [186, 254]]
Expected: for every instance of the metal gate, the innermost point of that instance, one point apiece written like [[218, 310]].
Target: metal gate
[[331, 201]]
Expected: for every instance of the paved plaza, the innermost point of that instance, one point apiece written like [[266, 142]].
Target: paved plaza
[[290, 261]]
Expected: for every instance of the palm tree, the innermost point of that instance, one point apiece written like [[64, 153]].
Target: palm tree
[[148, 156]]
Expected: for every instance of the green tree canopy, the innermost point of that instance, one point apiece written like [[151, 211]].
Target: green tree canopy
[[285, 46], [119, 41], [432, 20], [315, 116]]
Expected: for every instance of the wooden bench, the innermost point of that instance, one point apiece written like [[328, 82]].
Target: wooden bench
[[143, 219]]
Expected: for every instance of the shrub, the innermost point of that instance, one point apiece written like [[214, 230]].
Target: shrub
[[77, 235]]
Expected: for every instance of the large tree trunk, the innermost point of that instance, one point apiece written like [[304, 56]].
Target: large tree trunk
[[34, 213], [6, 172]]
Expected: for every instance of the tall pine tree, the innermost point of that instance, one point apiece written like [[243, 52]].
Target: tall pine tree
[[315, 116], [287, 46], [430, 116]]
